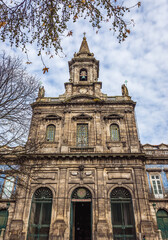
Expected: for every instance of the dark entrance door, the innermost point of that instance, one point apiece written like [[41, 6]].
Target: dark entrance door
[[81, 214], [82, 220]]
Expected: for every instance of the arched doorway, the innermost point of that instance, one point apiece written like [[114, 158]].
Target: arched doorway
[[122, 214], [162, 221], [40, 215], [81, 214]]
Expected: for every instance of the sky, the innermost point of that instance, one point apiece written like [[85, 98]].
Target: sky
[[142, 60]]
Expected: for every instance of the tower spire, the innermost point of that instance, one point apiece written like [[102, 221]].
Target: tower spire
[[84, 49]]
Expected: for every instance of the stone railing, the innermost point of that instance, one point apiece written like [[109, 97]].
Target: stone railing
[[155, 150]]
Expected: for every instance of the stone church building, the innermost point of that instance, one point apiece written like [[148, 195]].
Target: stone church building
[[89, 177]]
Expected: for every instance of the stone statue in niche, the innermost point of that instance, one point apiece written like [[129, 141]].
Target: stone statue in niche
[[41, 92], [124, 91]]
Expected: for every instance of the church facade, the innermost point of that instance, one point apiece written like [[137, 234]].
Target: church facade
[[89, 177]]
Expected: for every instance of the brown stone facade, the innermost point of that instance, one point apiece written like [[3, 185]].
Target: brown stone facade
[[101, 163]]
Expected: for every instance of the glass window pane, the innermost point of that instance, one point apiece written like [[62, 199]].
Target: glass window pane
[[82, 135], [8, 187], [50, 133], [114, 132], [154, 187], [157, 188]]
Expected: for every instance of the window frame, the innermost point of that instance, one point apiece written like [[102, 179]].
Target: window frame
[[156, 178], [47, 133], [78, 144], [121, 199], [118, 133], [35, 216], [10, 192]]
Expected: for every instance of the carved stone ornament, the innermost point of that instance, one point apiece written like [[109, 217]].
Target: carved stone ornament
[[119, 175], [124, 90], [74, 173], [41, 92], [52, 117], [83, 90], [82, 116], [113, 116], [88, 173]]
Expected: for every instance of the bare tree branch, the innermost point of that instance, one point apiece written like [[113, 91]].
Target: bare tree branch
[[17, 91], [46, 21]]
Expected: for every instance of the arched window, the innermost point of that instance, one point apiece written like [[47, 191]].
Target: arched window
[[114, 132], [162, 221], [50, 134], [83, 75], [81, 214], [40, 215], [122, 214], [3, 220]]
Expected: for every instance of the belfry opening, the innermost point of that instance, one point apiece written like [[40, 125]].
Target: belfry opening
[[81, 215]]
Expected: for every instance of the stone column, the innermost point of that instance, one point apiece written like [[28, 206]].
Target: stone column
[[16, 225], [146, 225], [59, 226], [102, 226]]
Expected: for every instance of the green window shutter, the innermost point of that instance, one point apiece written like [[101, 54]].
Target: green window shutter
[[40, 215], [3, 219], [162, 221], [122, 215]]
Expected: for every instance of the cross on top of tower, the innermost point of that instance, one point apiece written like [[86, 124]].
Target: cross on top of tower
[[126, 82]]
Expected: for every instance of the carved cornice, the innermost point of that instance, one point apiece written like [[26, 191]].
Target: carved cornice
[[82, 116], [66, 156], [112, 116], [52, 117]]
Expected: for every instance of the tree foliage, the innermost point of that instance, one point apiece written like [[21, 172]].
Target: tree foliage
[[17, 91], [46, 21]]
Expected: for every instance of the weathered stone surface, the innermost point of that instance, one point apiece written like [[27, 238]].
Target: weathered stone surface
[[100, 166]]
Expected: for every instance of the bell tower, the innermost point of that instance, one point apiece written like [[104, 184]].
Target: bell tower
[[84, 73], [84, 68]]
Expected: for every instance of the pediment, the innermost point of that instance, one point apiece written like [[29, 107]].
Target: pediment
[[52, 117], [161, 146], [82, 116], [84, 98], [113, 116]]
